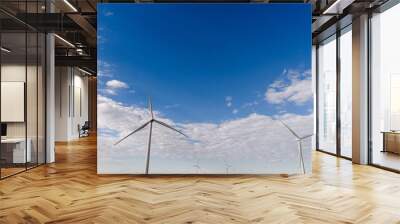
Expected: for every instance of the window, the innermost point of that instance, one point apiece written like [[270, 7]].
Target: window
[[385, 89], [346, 92], [327, 95]]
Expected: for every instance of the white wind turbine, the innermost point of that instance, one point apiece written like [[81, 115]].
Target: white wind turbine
[[197, 164], [198, 168], [299, 141], [150, 122], [227, 166]]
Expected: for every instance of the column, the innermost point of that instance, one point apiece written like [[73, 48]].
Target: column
[[360, 90]]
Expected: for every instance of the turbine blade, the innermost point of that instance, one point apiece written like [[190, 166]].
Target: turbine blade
[[291, 130], [307, 136], [151, 108], [166, 125], [133, 132], [301, 158]]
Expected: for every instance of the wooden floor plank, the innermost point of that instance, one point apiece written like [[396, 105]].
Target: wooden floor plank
[[70, 191]]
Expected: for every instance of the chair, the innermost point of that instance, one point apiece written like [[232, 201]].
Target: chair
[[84, 130]]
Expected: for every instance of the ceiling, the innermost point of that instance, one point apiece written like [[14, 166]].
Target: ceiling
[[75, 21]]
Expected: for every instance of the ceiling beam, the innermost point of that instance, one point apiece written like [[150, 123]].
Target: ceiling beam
[[77, 61], [84, 24]]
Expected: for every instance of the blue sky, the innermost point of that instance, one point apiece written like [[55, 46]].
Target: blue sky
[[205, 63]]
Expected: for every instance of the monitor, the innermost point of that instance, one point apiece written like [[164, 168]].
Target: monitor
[[3, 129]]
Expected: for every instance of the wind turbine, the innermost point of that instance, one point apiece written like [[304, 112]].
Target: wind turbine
[[150, 122], [227, 166], [197, 166], [299, 141]]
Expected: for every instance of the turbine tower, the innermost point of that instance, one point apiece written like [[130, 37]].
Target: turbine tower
[[197, 167], [227, 166], [299, 141], [150, 122]]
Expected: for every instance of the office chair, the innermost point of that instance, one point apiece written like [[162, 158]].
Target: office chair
[[84, 130]]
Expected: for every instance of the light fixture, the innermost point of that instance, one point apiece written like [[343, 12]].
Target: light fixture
[[79, 51], [64, 40], [5, 50], [337, 7], [329, 9], [84, 71], [70, 5]]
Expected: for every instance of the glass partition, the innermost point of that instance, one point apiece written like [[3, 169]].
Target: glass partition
[[13, 109], [22, 101]]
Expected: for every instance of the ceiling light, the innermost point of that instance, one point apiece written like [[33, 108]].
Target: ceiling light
[[79, 51], [65, 41], [84, 71], [337, 7], [70, 5], [5, 50], [329, 9]]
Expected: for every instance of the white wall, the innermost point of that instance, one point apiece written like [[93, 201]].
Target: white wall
[[17, 73], [80, 109], [62, 81], [70, 84]]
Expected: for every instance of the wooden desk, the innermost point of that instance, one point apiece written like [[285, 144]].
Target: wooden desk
[[391, 141], [13, 150]]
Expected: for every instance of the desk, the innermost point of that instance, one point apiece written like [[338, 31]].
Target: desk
[[17, 150], [391, 141]]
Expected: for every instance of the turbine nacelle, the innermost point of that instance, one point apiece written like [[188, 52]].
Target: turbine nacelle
[[150, 122], [299, 140]]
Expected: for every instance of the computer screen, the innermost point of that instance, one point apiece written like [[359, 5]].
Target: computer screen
[[3, 129]]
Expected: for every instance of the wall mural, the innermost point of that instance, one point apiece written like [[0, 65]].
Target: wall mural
[[204, 89]]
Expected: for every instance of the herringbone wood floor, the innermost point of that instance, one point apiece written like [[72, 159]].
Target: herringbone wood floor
[[70, 191]]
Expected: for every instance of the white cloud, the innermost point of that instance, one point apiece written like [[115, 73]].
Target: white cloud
[[113, 86], [118, 117], [105, 68], [110, 87], [228, 101], [235, 111], [250, 104], [108, 13], [296, 87], [116, 84], [109, 91], [253, 144]]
